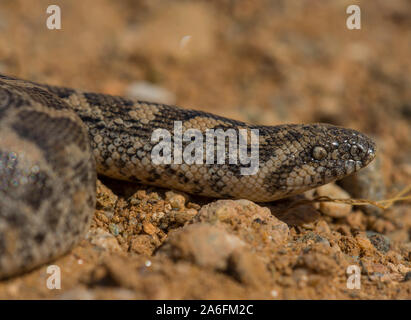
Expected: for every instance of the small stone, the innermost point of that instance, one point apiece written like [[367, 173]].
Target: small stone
[[322, 227], [364, 243], [380, 242], [147, 91], [392, 267], [274, 293], [177, 201], [332, 209], [114, 229], [103, 239], [376, 268], [318, 262], [344, 230], [313, 237], [185, 216], [356, 220], [142, 244], [141, 194], [403, 269], [149, 228], [245, 218], [407, 276], [203, 244], [157, 215]]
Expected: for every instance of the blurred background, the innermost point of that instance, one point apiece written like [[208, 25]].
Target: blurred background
[[261, 61]]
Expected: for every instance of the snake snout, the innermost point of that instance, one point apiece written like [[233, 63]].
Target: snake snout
[[363, 149], [371, 152], [359, 150]]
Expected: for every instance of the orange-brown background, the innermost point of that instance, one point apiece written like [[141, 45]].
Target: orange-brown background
[[261, 61]]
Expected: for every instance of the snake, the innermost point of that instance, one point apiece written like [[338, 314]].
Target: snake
[[55, 140]]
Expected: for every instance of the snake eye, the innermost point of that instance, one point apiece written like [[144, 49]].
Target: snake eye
[[319, 153]]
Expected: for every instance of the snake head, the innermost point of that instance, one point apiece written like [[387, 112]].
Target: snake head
[[317, 154], [332, 152], [339, 152]]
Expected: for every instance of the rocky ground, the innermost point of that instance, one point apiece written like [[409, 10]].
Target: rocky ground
[[260, 61]]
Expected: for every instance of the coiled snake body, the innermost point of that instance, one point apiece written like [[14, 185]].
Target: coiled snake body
[[53, 140]]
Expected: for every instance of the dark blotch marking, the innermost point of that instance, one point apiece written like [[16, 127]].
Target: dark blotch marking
[[36, 127], [45, 97], [38, 190], [9, 100], [154, 176], [60, 92], [15, 219], [39, 237]]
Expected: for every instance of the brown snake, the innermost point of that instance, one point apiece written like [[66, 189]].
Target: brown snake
[[53, 140]]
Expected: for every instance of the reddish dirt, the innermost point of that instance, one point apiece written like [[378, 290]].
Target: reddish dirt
[[260, 61]]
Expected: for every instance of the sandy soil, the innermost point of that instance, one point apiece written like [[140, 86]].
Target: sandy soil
[[261, 61]]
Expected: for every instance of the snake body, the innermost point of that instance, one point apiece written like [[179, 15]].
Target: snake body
[[53, 140]]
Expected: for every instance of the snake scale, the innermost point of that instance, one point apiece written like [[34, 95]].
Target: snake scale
[[53, 141]]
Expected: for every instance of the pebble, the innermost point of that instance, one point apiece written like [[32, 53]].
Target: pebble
[[149, 228], [246, 219], [114, 229], [142, 244], [322, 227], [356, 220], [332, 209], [184, 216], [177, 201], [146, 91], [374, 268], [314, 237], [274, 293], [403, 269], [203, 244], [379, 241], [103, 239], [364, 243]]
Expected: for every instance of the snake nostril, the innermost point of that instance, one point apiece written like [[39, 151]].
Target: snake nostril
[[371, 152]]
